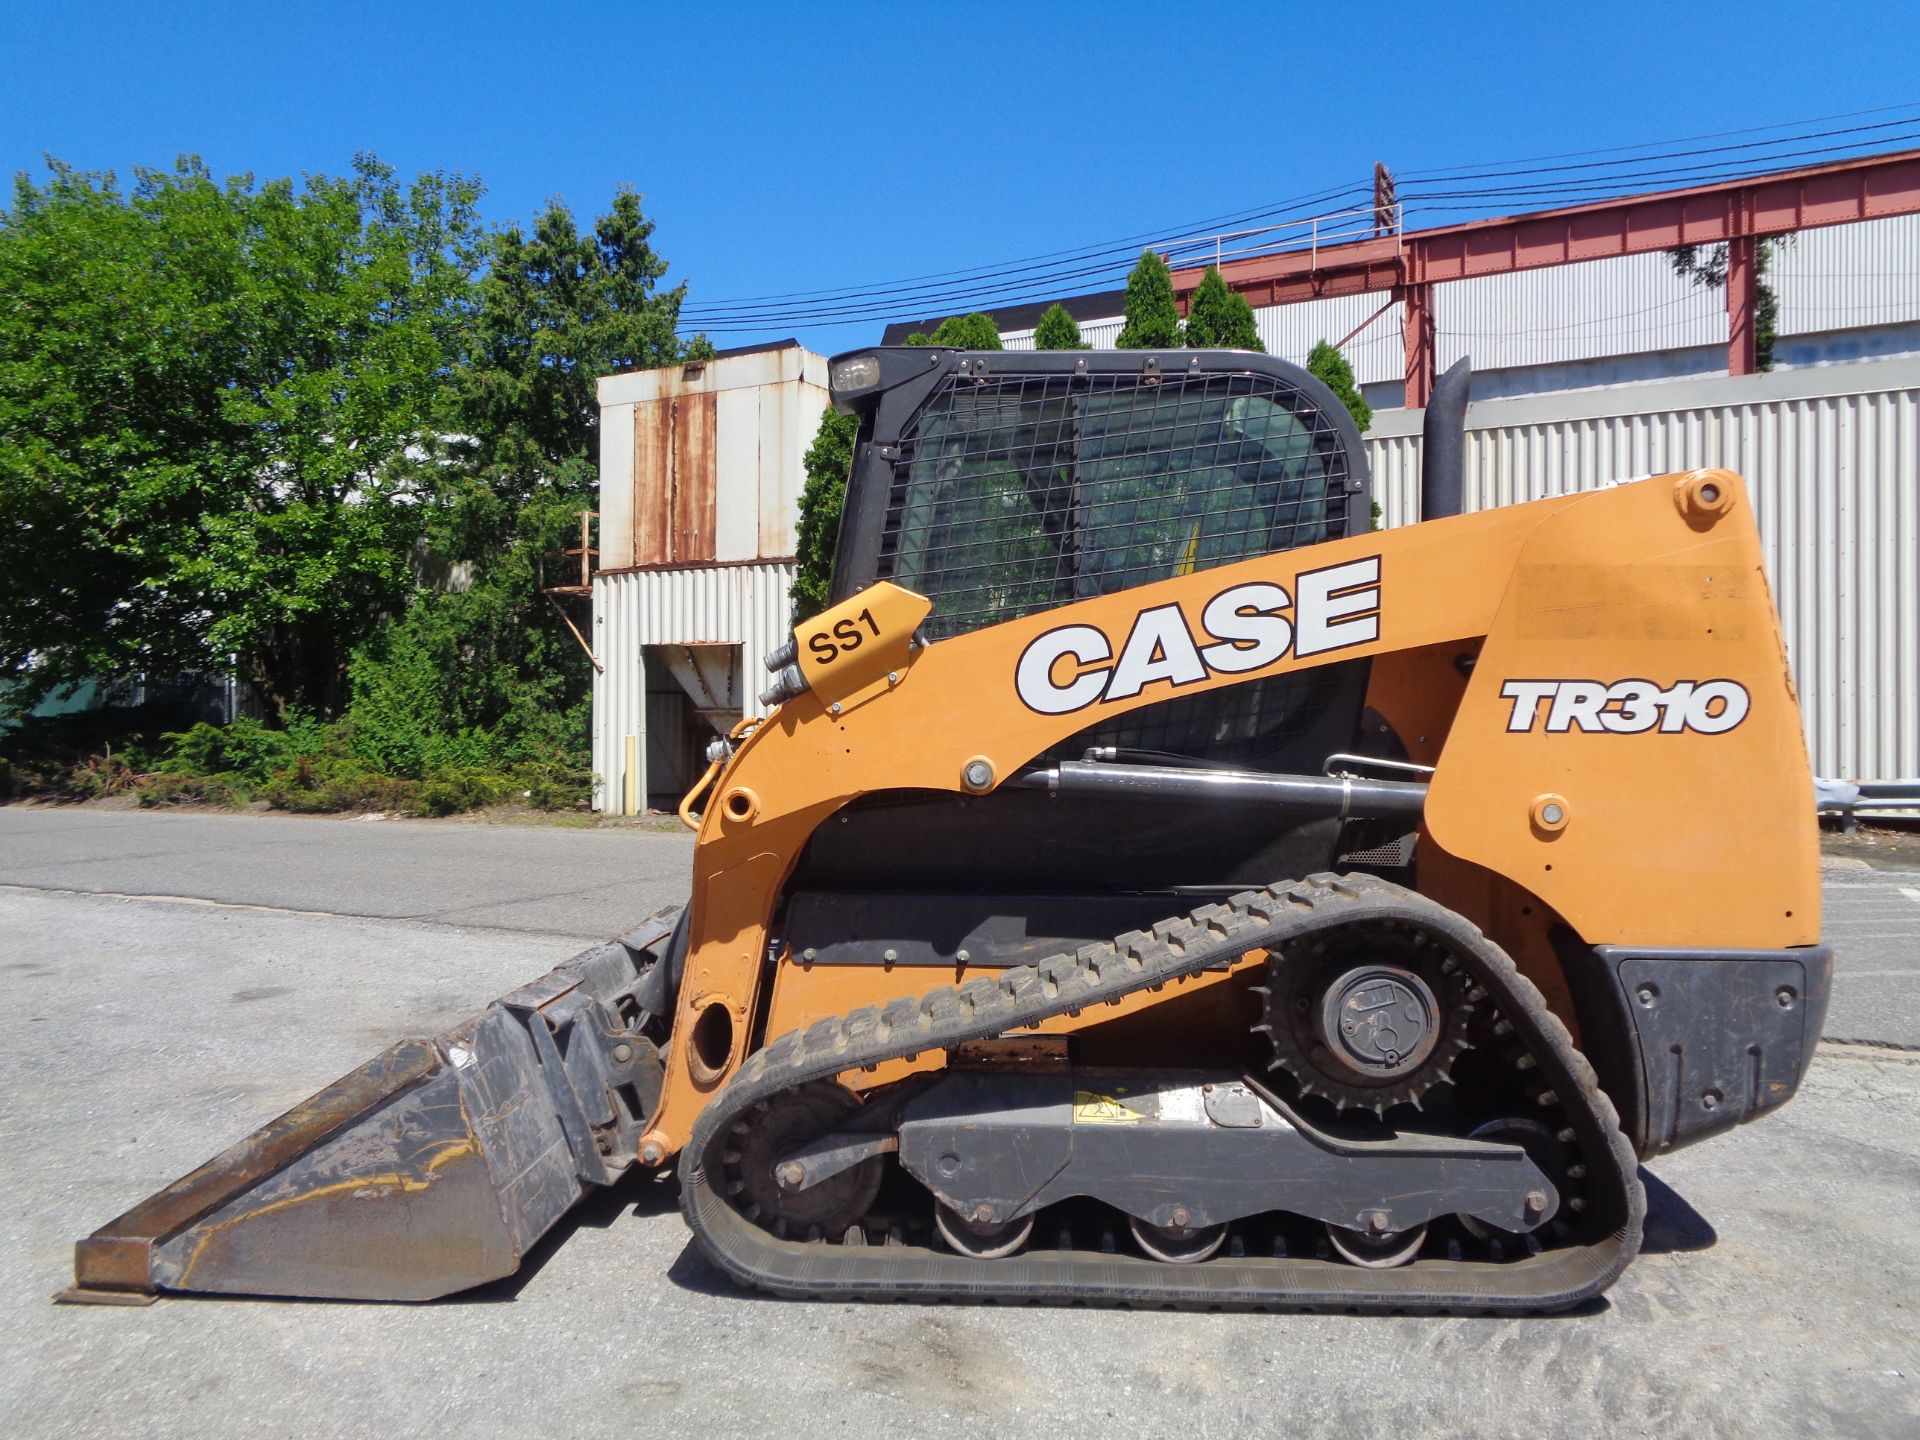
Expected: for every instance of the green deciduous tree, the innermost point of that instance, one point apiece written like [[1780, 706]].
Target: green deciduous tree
[[1706, 266], [1218, 319], [1332, 369], [822, 497], [1152, 317], [1058, 330], [208, 393]]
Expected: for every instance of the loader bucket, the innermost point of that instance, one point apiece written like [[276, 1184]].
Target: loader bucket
[[432, 1168]]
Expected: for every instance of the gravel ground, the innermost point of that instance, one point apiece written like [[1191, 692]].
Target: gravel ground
[[1776, 1296]]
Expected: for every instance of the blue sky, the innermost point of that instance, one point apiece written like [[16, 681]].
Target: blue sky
[[786, 147]]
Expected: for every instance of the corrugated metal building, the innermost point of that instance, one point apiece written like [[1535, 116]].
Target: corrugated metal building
[[1833, 458], [700, 475], [1847, 292]]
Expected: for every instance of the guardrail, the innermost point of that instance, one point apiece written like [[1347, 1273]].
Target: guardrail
[[1869, 799]]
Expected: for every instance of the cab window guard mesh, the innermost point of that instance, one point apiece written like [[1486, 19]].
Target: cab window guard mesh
[[1016, 493]]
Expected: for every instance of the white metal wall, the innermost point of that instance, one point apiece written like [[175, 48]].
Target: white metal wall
[[744, 605], [1848, 276], [1833, 458]]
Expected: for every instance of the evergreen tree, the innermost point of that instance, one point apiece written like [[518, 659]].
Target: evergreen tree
[[961, 332], [1330, 367], [557, 309], [1218, 319], [1058, 330], [1152, 317], [828, 462]]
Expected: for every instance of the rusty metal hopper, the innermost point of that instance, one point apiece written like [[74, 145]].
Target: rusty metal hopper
[[432, 1168]]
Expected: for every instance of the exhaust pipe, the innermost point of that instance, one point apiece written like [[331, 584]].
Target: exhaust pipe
[[1443, 444]]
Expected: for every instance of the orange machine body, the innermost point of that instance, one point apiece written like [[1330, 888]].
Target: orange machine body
[[1597, 680]]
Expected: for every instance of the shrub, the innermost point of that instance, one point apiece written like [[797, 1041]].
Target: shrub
[[166, 788], [463, 789], [324, 784], [246, 748]]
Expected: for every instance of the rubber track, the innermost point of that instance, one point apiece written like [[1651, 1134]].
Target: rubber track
[[1553, 1279]]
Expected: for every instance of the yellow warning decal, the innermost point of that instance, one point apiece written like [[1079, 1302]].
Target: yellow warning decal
[[1090, 1107]]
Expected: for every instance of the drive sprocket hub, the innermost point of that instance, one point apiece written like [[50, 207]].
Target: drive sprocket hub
[[772, 1130], [1368, 1017]]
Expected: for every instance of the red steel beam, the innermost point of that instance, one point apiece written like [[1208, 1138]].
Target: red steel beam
[[1869, 188], [1837, 194]]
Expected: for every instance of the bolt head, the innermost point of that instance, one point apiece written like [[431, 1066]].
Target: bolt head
[[791, 1173], [622, 1053], [651, 1154], [1378, 1222], [1180, 1217], [1536, 1201], [984, 1214]]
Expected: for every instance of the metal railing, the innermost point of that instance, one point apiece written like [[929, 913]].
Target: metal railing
[[1339, 227]]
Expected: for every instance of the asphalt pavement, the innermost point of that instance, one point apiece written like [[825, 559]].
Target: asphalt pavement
[[268, 955]]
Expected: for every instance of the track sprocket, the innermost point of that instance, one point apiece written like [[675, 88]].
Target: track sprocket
[[772, 1130], [1368, 1016]]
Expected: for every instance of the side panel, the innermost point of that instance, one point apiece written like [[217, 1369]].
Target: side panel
[[1629, 747], [652, 483], [694, 498]]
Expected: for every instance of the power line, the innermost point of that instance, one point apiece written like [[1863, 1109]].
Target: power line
[[998, 285], [1501, 174], [987, 271], [929, 296], [1683, 139], [1575, 190]]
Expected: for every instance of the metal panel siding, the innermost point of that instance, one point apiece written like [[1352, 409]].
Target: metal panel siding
[[1848, 276], [1601, 308], [652, 482], [695, 492], [704, 461], [616, 486], [737, 457], [1378, 353], [744, 605], [1833, 459]]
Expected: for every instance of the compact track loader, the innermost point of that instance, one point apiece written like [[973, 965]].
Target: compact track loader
[[1151, 885]]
